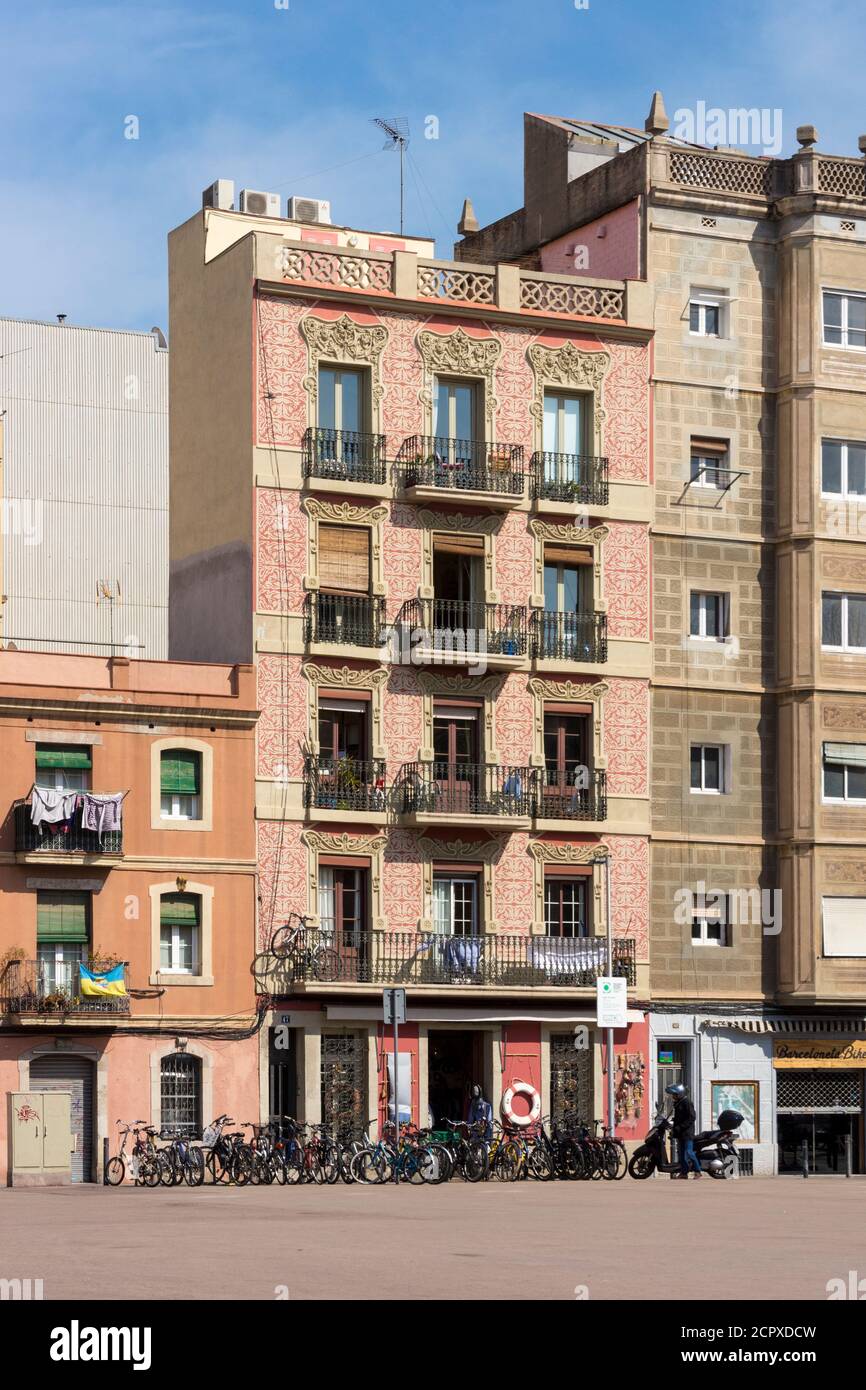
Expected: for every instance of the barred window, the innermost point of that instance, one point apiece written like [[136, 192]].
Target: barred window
[[180, 1094]]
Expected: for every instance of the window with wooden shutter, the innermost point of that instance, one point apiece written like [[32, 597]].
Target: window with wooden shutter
[[180, 784], [179, 934], [180, 772], [61, 916], [62, 767], [179, 909], [344, 559], [56, 755]]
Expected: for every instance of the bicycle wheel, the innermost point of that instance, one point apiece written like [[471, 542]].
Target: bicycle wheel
[[294, 1167], [280, 943], [148, 1170], [476, 1163], [115, 1172], [366, 1167], [540, 1165], [330, 1160], [326, 964], [610, 1160], [506, 1164], [215, 1170], [241, 1166], [194, 1167], [418, 1166], [621, 1159], [165, 1159], [443, 1161]]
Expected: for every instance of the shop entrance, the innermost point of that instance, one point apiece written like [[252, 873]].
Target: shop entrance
[[673, 1068], [820, 1109], [455, 1061]]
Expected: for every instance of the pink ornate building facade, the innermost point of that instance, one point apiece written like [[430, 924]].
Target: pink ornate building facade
[[418, 497]]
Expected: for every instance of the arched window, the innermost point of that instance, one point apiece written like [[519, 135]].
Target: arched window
[[180, 1094]]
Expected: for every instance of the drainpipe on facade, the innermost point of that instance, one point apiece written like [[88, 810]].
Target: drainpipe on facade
[[611, 1085]]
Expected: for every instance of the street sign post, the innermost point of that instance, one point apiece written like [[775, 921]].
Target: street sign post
[[611, 1001], [394, 1012]]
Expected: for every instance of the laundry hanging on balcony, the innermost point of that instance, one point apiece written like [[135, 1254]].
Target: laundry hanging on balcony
[[50, 806], [102, 811], [102, 983], [566, 955]]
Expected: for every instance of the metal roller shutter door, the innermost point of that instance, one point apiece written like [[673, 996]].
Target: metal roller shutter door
[[67, 1073]]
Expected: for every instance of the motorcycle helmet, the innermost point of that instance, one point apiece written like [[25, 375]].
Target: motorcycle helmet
[[678, 1090]]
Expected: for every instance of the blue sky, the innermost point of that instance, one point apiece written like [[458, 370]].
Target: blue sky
[[275, 98]]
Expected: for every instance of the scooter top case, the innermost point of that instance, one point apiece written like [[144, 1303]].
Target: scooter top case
[[730, 1119]]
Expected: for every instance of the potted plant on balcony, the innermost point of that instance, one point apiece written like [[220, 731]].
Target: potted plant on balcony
[[12, 985], [347, 785], [500, 461]]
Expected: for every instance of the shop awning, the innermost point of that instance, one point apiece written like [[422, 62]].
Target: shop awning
[[785, 1024]]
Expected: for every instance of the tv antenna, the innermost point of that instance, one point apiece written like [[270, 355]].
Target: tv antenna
[[397, 131], [105, 593]]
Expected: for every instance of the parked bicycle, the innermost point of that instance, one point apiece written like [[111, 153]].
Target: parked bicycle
[[291, 943], [142, 1163]]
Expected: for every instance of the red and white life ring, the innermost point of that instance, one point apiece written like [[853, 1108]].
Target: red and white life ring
[[521, 1088]]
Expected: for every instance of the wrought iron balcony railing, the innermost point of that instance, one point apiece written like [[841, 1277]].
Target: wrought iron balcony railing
[[435, 958], [579, 478], [350, 620], [572, 795], [54, 839], [469, 465], [27, 988], [452, 628], [344, 784], [344, 455], [463, 789], [569, 636]]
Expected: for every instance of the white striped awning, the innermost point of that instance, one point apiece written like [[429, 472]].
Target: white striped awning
[[784, 1024]]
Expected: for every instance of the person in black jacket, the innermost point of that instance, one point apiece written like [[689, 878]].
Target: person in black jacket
[[684, 1131]]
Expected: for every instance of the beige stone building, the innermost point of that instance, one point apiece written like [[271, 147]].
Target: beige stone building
[[757, 267]]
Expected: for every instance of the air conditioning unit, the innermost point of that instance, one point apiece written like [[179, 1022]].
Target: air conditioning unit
[[259, 204], [308, 210], [221, 194]]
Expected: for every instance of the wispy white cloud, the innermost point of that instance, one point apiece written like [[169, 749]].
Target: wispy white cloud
[[276, 99]]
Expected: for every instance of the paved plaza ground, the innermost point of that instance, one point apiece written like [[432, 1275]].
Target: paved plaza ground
[[749, 1239]]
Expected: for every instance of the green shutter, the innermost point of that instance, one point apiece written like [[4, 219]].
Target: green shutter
[[180, 772], [49, 755], [178, 910], [61, 916]]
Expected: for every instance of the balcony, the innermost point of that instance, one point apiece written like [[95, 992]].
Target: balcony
[[24, 989], [572, 637], [432, 958], [483, 792], [341, 785], [580, 796], [344, 620], [441, 632], [344, 457], [570, 479], [53, 840], [434, 468]]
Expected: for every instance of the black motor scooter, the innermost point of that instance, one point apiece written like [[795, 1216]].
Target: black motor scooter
[[714, 1148]]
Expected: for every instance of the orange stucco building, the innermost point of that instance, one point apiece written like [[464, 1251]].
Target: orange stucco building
[[127, 844]]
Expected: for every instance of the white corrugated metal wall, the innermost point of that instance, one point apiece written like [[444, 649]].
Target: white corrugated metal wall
[[84, 487]]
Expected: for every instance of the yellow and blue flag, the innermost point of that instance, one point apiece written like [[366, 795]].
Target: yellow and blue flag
[[102, 982]]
